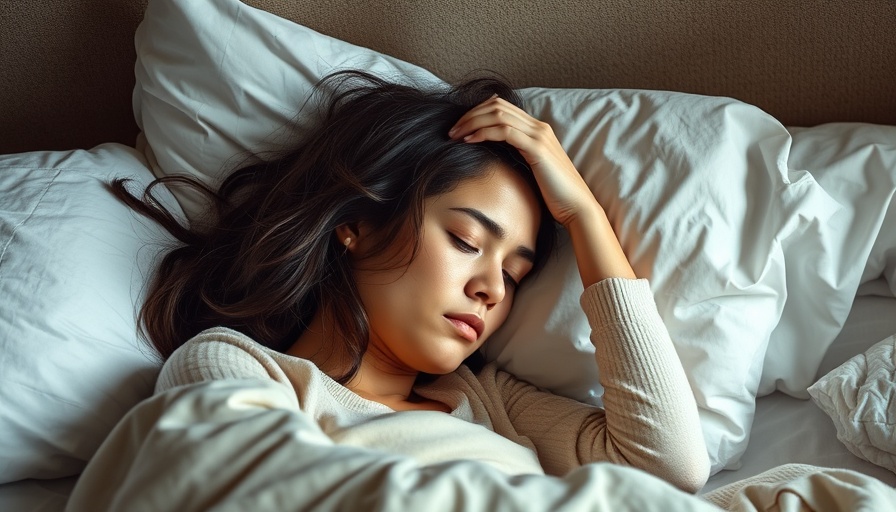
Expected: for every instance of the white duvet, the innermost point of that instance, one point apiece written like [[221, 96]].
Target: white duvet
[[245, 445], [860, 397]]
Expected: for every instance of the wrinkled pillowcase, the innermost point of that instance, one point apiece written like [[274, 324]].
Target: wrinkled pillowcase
[[73, 267], [860, 398], [702, 202], [856, 164], [697, 187]]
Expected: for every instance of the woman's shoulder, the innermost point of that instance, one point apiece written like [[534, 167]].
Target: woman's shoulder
[[214, 340], [218, 353], [219, 346]]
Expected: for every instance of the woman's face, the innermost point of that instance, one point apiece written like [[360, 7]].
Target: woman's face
[[477, 242]]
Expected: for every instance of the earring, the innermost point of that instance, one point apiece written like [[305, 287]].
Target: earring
[[347, 241]]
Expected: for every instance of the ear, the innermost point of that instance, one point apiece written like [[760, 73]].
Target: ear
[[348, 235]]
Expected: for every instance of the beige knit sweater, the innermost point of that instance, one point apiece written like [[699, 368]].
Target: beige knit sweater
[[650, 418]]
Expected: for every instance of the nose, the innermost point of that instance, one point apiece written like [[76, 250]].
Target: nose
[[487, 285]]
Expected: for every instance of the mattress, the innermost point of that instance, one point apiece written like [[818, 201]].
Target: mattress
[[788, 429]]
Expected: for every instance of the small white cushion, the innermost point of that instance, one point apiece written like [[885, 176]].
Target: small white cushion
[[860, 397], [73, 264], [698, 189]]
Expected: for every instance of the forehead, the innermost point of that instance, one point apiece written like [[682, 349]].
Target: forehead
[[503, 196]]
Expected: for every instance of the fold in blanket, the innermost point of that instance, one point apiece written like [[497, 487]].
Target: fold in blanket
[[245, 445]]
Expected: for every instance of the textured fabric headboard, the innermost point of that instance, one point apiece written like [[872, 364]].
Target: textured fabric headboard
[[68, 64]]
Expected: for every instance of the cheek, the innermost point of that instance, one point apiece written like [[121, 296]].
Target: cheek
[[439, 266]]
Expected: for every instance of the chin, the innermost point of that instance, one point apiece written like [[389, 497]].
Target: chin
[[444, 358], [441, 369]]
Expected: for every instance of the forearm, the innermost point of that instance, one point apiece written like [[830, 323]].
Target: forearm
[[651, 415], [598, 253]]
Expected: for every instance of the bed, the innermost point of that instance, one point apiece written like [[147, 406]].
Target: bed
[[747, 158]]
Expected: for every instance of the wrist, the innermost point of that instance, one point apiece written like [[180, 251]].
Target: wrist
[[588, 216], [599, 254], [589, 221]]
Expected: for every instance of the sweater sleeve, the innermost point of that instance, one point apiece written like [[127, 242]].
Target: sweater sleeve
[[649, 420]]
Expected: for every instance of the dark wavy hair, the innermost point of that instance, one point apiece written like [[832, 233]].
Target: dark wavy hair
[[268, 259]]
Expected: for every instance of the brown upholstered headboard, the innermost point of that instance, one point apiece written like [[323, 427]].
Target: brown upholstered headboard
[[67, 65]]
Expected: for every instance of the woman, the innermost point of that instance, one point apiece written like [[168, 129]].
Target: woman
[[365, 267]]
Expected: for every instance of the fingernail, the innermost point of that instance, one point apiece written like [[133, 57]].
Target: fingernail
[[467, 138], [451, 132], [494, 96]]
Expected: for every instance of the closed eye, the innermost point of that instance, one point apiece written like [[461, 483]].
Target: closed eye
[[513, 283], [467, 248], [463, 246]]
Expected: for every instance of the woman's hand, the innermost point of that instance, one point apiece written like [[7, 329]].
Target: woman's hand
[[570, 201], [565, 192]]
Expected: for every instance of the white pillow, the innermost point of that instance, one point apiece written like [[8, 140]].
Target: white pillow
[[856, 164], [860, 397], [206, 94], [702, 201], [73, 263], [698, 188]]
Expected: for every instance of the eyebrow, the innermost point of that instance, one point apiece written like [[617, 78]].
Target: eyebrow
[[495, 229]]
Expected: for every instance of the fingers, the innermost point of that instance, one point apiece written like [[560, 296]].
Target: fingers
[[504, 133], [497, 120], [469, 129], [492, 113]]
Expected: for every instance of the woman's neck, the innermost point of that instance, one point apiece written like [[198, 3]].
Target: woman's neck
[[375, 380]]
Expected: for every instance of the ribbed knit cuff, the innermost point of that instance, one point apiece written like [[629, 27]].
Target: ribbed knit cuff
[[617, 300]]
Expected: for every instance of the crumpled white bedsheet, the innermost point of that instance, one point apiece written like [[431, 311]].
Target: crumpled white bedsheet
[[245, 445], [860, 397]]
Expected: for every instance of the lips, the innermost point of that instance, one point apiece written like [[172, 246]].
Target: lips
[[470, 326]]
